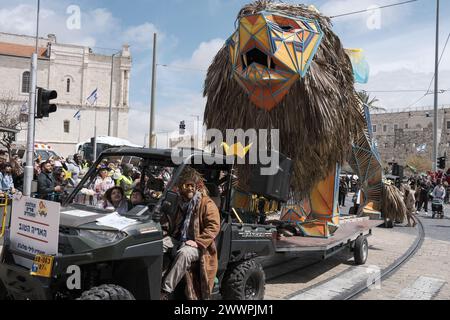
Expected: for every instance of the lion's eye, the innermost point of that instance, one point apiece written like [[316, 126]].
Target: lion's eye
[[287, 28]]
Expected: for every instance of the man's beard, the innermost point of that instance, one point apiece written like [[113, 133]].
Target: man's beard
[[189, 195]]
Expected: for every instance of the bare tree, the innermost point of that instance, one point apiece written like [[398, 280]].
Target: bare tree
[[10, 118]]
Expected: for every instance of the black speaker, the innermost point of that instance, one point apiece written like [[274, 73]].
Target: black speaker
[[274, 187]]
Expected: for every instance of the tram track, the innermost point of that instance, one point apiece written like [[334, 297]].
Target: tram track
[[362, 287], [390, 270]]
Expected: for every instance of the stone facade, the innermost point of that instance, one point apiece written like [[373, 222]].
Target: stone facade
[[74, 72], [400, 135]]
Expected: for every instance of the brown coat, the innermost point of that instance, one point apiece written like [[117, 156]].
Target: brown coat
[[205, 226]]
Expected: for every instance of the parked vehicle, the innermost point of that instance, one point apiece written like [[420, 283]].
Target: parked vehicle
[[86, 148], [41, 151]]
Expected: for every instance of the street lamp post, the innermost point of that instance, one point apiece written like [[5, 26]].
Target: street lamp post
[[111, 93], [197, 129], [153, 95]]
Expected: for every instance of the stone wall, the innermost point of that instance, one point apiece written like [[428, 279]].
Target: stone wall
[[404, 134]]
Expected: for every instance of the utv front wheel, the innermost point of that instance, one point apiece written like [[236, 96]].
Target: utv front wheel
[[107, 292], [245, 281], [3, 292]]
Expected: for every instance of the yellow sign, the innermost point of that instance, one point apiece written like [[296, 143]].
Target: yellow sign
[[42, 266], [236, 149]]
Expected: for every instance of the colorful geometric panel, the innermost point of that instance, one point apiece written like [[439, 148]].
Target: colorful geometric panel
[[324, 198], [270, 48], [366, 163]]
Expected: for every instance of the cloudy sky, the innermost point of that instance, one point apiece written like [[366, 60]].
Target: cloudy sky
[[398, 42]]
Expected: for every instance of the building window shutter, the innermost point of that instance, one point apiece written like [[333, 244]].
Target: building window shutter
[[26, 82], [66, 126]]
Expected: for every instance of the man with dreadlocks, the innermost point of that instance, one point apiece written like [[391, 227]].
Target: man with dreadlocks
[[191, 235]]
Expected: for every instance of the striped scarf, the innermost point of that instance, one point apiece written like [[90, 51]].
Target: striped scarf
[[188, 209]]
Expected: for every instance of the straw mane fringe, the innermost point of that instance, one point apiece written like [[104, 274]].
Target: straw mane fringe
[[317, 119], [393, 205]]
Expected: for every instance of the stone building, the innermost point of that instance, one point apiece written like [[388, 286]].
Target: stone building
[[400, 135], [74, 72]]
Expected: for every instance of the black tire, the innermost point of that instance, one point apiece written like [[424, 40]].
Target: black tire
[[244, 281], [361, 250], [3, 292], [107, 292], [389, 223]]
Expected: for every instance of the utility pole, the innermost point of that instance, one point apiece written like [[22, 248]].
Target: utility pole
[[111, 94], [197, 126], [29, 167], [436, 88], [152, 106]]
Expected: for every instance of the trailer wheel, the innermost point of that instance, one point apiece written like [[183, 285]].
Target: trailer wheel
[[388, 223], [361, 251], [245, 281], [107, 292]]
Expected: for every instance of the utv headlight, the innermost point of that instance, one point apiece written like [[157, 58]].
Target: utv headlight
[[102, 237]]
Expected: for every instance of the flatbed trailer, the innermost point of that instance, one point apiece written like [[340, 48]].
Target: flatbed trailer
[[352, 234]]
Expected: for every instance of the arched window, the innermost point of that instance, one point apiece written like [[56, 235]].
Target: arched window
[[26, 82], [68, 85], [66, 126]]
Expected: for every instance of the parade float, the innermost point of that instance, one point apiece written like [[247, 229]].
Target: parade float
[[284, 68]]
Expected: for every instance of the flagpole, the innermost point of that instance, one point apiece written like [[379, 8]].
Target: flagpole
[[79, 126], [95, 131]]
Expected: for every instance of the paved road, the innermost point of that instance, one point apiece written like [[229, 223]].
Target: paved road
[[427, 275], [335, 276]]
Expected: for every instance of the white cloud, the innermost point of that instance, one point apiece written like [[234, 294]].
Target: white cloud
[[192, 69], [205, 53], [405, 79], [142, 35], [21, 19], [361, 20], [103, 18]]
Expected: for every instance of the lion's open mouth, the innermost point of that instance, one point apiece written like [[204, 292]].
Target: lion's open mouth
[[257, 56]]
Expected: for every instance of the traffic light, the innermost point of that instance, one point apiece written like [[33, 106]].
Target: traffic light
[[441, 163], [182, 128], [44, 106], [395, 169]]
